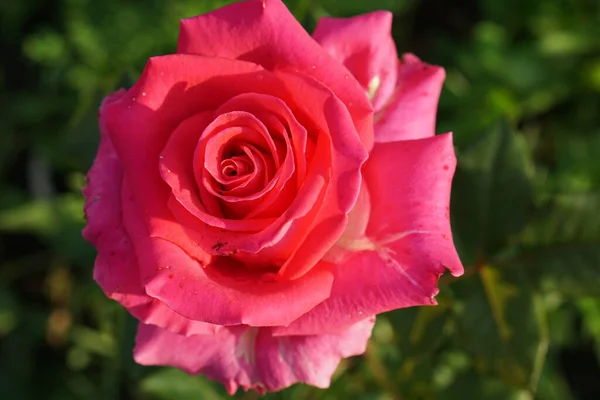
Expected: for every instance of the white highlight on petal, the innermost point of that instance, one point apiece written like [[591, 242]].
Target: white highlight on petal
[[246, 346], [346, 246], [365, 243], [343, 247], [386, 255], [373, 87]]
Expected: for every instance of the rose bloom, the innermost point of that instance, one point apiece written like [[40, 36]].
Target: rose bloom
[[258, 197]]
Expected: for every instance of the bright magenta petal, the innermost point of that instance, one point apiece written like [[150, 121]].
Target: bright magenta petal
[[266, 33], [219, 293], [412, 111], [365, 46], [347, 155], [172, 89], [252, 357], [116, 267], [417, 203], [408, 243]]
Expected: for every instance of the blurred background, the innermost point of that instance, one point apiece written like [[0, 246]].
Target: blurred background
[[522, 96]]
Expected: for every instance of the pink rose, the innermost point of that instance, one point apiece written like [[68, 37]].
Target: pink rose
[[404, 93], [244, 211]]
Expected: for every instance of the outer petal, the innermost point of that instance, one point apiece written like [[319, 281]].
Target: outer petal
[[408, 244], [252, 357], [170, 270], [266, 33], [220, 293], [116, 268], [365, 46], [348, 155], [412, 111], [419, 200], [171, 89]]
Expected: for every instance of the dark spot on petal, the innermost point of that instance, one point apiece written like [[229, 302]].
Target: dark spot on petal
[[218, 246], [171, 276]]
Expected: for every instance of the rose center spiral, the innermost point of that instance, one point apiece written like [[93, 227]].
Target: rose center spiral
[[236, 166]]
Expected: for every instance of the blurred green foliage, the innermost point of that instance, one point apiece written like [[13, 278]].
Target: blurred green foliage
[[522, 96]]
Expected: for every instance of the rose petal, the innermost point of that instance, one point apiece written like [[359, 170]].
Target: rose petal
[[258, 166], [355, 232], [251, 203], [252, 170], [208, 292], [157, 110], [241, 131], [251, 357], [269, 246], [116, 268], [266, 33], [172, 89], [346, 157], [220, 137], [248, 235], [370, 56], [409, 242], [162, 103], [177, 170], [420, 199], [412, 111], [282, 123], [236, 167]]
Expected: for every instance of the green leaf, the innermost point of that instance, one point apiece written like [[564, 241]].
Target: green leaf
[[590, 310], [502, 324], [564, 218], [573, 269], [577, 166], [474, 386], [553, 385], [169, 384], [420, 330], [340, 8], [59, 221], [492, 192], [9, 312], [43, 217]]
